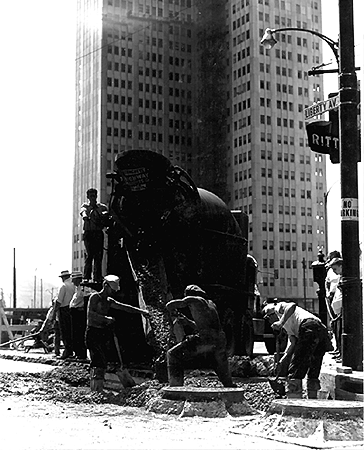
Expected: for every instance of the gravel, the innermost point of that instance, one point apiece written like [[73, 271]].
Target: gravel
[[70, 384]]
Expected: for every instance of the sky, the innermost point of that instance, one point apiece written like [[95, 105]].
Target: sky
[[37, 140]]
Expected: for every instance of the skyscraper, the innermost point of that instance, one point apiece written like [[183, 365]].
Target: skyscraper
[[189, 79]]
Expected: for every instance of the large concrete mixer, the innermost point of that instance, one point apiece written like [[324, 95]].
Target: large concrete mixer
[[166, 234]]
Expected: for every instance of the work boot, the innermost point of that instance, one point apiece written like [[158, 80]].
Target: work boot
[[313, 385], [294, 388], [175, 376], [97, 379]]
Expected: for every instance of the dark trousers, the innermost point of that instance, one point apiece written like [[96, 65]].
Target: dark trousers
[[337, 326], [57, 337], [94, 246], [78, 332], [65, 323], [309, 350], [98, 341], [194, 346]]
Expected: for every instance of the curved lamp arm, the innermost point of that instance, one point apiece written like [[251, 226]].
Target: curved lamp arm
[[268, 40]]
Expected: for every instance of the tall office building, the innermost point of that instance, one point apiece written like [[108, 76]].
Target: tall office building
[[189, 79]]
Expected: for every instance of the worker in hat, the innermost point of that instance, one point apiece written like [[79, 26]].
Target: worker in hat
[[99, 330], [78, 316], [62, 308], [95, 216], [308, 342], [208, 337], [335, 265]]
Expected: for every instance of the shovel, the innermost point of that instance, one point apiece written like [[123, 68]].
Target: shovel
[[123, 374], [276, 384]]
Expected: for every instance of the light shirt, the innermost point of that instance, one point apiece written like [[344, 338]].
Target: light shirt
[[331, 282], [337, 302], [78, 298], [95, 216], [292, 325], [65, 293]]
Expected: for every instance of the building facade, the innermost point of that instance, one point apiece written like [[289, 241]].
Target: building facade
[[190, 80]]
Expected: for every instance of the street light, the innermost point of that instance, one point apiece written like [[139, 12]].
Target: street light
[[352, 308], [268, 40]]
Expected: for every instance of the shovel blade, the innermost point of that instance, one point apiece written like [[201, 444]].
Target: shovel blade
[[277, 386], [125, 378]]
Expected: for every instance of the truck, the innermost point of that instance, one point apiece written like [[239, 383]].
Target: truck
[[164, 233]]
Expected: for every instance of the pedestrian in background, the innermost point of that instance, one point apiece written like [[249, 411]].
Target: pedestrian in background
[[308, 341], [78, 316], [63, 300], [331, 282], [94, 217], [337, 302]]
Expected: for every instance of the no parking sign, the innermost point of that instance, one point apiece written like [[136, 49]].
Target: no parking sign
[[349, 209]]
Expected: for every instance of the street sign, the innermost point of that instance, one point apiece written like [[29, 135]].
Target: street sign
[[349, 209], [321, 107], [324, 138]]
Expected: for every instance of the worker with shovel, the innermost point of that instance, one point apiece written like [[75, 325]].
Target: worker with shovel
[[100, 332], [308, 342]]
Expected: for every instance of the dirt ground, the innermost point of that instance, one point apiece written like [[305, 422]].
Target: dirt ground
[[55, 409]]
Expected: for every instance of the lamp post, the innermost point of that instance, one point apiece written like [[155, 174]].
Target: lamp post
[[352, 336], [326, 194], [352, 309], [269, 41]]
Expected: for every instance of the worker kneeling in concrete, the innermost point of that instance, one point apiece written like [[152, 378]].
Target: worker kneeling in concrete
[[100, 333], [308, 342], [208, 337]]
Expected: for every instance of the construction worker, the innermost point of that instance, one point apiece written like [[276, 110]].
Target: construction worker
[[208, 337], [308, 340], [99, 332]]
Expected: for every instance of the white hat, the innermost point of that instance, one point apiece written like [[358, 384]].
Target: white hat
[[65, 273], [76, 274], [113, 281]]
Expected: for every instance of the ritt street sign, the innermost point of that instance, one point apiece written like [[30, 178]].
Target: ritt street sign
[[321, 107]]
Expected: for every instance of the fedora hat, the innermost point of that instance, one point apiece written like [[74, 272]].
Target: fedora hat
[[334, 261], [76, 274], [64, 273]]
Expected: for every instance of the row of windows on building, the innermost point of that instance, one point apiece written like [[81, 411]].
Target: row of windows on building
[[288, 246], [241, 54], [267, 154], [244, 70], [129, 4], [268, 191], [242, 37], [241, 21], [289, 282], [266, 85]]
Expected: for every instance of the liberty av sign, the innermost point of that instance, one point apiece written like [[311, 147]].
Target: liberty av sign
[[321, 107]]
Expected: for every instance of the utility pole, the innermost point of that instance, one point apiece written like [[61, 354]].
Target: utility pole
[[14, 282], [352, 337], [304, 279], [35, 291], [41, 292]]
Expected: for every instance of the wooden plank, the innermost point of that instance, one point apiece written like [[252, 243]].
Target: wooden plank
[[21, 327], [6, 323]]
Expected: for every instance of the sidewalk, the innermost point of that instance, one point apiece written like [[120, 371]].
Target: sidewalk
[[337, 384]]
